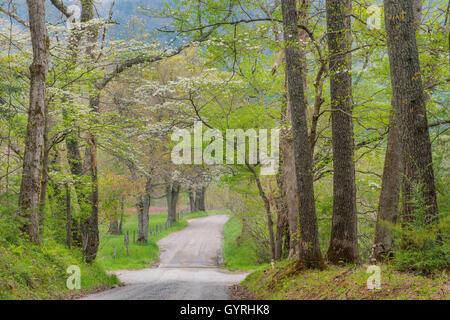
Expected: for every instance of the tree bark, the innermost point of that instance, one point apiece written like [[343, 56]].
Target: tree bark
[[44, 179], [68, 218], [172, 192], [29, 187], [344, 232], [191, 194], [410, 109], [389, 195], [113, 226], [310, 255], [290, 182], [122, 211], [200, 198], [143, 206]]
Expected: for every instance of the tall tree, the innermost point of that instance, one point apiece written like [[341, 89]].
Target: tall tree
[[389, 195], [309, 252], [409, 104], [29, 188], [344, 233], [143, 205], [390, 184], [172, 192]]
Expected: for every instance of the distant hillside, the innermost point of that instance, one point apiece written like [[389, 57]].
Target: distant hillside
[[124, 10]]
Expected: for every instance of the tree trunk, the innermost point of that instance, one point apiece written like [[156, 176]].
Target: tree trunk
[[310, 255], [29, 187], [282, 215], [91, 248], [192, 200], [172, 192], [200, 199], [113, 226], [44, 180], [68, 218], [290, 182], [143, 207], [122, 211], [344, 232], [282, 226], [389, 195], [410, 111]]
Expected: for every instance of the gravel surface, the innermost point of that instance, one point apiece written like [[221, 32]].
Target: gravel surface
[[188, 269]]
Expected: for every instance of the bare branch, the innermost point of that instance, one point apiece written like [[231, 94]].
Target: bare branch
[[14, 16]]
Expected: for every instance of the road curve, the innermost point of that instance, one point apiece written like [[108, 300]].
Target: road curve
[[189, 268]]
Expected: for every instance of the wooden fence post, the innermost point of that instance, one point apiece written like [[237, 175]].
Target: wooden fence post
[[127, 242]]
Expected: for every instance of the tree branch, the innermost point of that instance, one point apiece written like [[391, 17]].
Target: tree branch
[[14, 16]]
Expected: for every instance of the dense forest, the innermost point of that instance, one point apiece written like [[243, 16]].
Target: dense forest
[[355, 94]]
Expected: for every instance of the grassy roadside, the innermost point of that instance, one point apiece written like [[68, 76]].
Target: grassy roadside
[[39, 272], [238, 256], [141, 254], [341, 283], [335, 283]]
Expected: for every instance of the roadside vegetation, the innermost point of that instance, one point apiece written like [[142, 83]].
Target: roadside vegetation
[[39, 272], [239, 254], [343, 283]]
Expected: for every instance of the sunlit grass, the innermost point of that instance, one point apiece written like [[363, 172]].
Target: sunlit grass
[[142, 255]]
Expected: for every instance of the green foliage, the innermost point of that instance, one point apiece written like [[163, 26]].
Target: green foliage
[[239, 254], [343, 283], [39, 272], [424, 244]]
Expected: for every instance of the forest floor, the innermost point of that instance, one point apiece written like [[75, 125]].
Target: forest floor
[[340, 283]]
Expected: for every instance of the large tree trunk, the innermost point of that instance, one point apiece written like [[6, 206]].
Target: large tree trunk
[[29, 187], [143, 206], [344, 232], [290, 181], [310, 255], [411, 116], [389, 196], [287, 145], [172, 192]]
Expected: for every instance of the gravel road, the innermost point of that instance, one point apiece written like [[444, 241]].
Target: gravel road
[[189, 268]]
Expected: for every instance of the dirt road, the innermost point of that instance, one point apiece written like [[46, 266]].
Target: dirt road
[[188, 269]]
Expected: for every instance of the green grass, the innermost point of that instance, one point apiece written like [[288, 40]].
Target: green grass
[[39, 272], [142, 255], [238, 256], [341, 283]]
